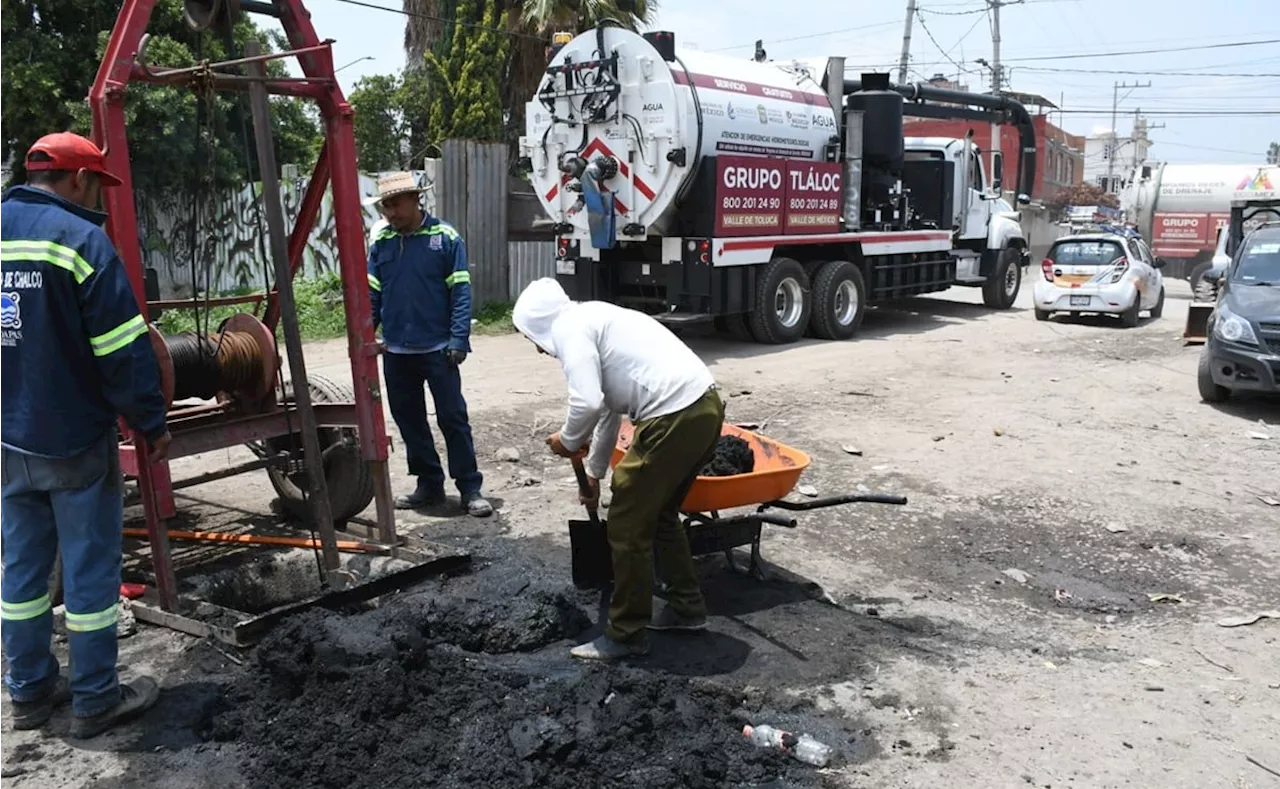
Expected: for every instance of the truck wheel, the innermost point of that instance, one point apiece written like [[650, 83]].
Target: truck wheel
[[1158, 309], [1210, 392], [782, 303], [1197, 274], [839, 301], [348, 476], [1001, 288], [1129, 318]]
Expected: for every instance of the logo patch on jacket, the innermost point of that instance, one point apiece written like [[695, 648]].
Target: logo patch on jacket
[[10, 313], [437, 242]]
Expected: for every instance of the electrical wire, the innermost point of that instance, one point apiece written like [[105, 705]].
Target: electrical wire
[[808, 36], [445, 20], [1127, 53], [947, 53]]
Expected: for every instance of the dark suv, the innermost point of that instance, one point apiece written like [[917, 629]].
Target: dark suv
[[1243, 349]]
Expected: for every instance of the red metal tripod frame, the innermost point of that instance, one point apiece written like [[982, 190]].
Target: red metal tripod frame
[[336, 166]]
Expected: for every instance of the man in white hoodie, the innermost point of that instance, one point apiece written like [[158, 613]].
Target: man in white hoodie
[[622, 362]]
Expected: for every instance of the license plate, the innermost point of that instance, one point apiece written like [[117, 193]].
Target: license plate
[[566, 267], [1080, 301]]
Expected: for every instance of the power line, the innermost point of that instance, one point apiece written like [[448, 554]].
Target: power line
[[1078, 56], [799, 38], [953, 13], [1049, 69], [445, 20], [1202, 147], [947, 53]]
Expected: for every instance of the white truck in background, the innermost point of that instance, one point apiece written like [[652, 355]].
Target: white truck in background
[[775, 198]]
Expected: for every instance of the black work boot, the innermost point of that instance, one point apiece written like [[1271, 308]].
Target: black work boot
[[421, 498], [135, 698], [34, 714]]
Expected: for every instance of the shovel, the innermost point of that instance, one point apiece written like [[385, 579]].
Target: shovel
[[588, 542]]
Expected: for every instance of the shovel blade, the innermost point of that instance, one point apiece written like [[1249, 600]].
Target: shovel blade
[[592, 559]]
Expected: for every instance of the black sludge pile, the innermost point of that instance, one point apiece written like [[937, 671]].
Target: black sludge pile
[[733, 456], [388, 699]]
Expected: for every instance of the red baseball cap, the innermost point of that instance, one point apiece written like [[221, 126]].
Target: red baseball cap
[[71, 152]]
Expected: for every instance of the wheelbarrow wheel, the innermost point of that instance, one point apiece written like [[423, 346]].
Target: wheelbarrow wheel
[[348, 476]]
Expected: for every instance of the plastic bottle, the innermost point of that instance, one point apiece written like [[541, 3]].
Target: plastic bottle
[[804, 748]]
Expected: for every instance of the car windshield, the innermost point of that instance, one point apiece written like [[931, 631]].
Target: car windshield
[[1259, 262], [1091, 252]]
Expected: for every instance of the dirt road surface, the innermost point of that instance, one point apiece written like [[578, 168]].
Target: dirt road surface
[[1044, 612]]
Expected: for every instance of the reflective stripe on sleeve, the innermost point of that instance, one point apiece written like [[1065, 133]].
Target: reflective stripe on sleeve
[[119, 337], [457, 278], [87, 623], [374, 283], [16, 612], [47, 252]]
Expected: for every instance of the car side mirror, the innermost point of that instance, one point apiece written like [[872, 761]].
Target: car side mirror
[[1214, 275], [1024, 199], [1159, 262], [997, 171]]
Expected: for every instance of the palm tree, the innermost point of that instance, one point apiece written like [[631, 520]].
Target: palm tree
[[530, 26]]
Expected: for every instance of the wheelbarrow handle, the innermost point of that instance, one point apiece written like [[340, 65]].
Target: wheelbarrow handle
[[584, 487], [834, 501]]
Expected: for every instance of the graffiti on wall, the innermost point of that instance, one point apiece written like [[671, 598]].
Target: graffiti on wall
[[219, 246]]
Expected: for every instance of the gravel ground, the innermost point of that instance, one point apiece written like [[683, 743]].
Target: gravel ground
[[1043, 612]]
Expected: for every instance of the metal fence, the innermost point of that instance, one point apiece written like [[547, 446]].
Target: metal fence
[[471, 194], [527, 261]]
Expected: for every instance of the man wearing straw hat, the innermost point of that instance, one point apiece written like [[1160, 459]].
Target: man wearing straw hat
[[420, 289]]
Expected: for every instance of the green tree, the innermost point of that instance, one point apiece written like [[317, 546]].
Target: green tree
[[379, 122], [176, 139], [465, 83]]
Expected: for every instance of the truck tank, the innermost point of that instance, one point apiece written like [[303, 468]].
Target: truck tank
[[1180, 208], [664, 123]]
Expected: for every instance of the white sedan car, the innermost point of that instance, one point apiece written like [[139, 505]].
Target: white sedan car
[[1102, 272]]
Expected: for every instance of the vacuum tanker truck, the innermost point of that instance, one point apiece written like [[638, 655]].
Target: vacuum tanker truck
[[1181, 209], [775, 198]]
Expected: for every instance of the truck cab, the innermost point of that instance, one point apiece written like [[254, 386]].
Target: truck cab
[[983, 224]]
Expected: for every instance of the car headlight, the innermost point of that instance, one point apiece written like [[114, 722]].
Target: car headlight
[[1233, 328]]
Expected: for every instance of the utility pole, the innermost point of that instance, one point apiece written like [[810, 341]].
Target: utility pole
[[1140, 128], [1115, 137], [906, 42], [997, 75]]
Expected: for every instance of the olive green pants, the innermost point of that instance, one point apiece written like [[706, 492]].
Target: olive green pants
[[649, 484]]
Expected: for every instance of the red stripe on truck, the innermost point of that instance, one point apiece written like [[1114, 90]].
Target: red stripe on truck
[[795, 95]]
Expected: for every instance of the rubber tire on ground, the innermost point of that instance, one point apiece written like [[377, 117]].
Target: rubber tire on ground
[[1129, 318], [1210, 392], [348, 476], [994, 293], [55, 578], [1193, 279], [766, 328], [1042, 315], [1158, 309], [823, 322]]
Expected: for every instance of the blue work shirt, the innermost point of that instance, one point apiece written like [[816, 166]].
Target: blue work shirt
[[420, 288], [76, 351]]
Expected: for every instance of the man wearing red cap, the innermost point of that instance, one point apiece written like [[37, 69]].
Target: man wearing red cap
[[75, 355]]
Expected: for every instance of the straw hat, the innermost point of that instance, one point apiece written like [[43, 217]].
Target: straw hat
[[392, 184]]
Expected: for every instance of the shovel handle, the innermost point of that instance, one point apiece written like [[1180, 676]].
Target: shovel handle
[[584, 487]]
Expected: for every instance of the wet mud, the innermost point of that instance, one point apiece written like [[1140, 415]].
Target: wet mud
[[733, 456]]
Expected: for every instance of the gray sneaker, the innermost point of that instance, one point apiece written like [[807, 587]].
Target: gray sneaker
[[135, 698], [670, 619], [477, 506], [605, 648]]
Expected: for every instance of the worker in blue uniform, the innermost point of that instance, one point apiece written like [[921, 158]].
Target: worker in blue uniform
[[420, 288], [76, 354]]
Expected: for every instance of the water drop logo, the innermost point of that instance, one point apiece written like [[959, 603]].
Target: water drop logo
[[10, 314]]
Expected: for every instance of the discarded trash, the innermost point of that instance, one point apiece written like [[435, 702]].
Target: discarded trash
[[1151, 663], [1017, 575], [1059, 595], [1164, 597], [1248, 619], [1270, 501], [807, 490], [938, 438], [851, 449], [997, 431], [1260, 436], [804, 748], [1156, 688], [1116, 528]]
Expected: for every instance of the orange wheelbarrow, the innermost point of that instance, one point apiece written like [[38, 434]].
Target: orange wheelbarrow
[[777, 470]]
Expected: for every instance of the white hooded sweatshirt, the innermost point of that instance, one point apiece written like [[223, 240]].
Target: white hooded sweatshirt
[[617, 361]]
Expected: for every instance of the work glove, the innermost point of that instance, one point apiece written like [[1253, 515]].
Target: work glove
[[455, 356]]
